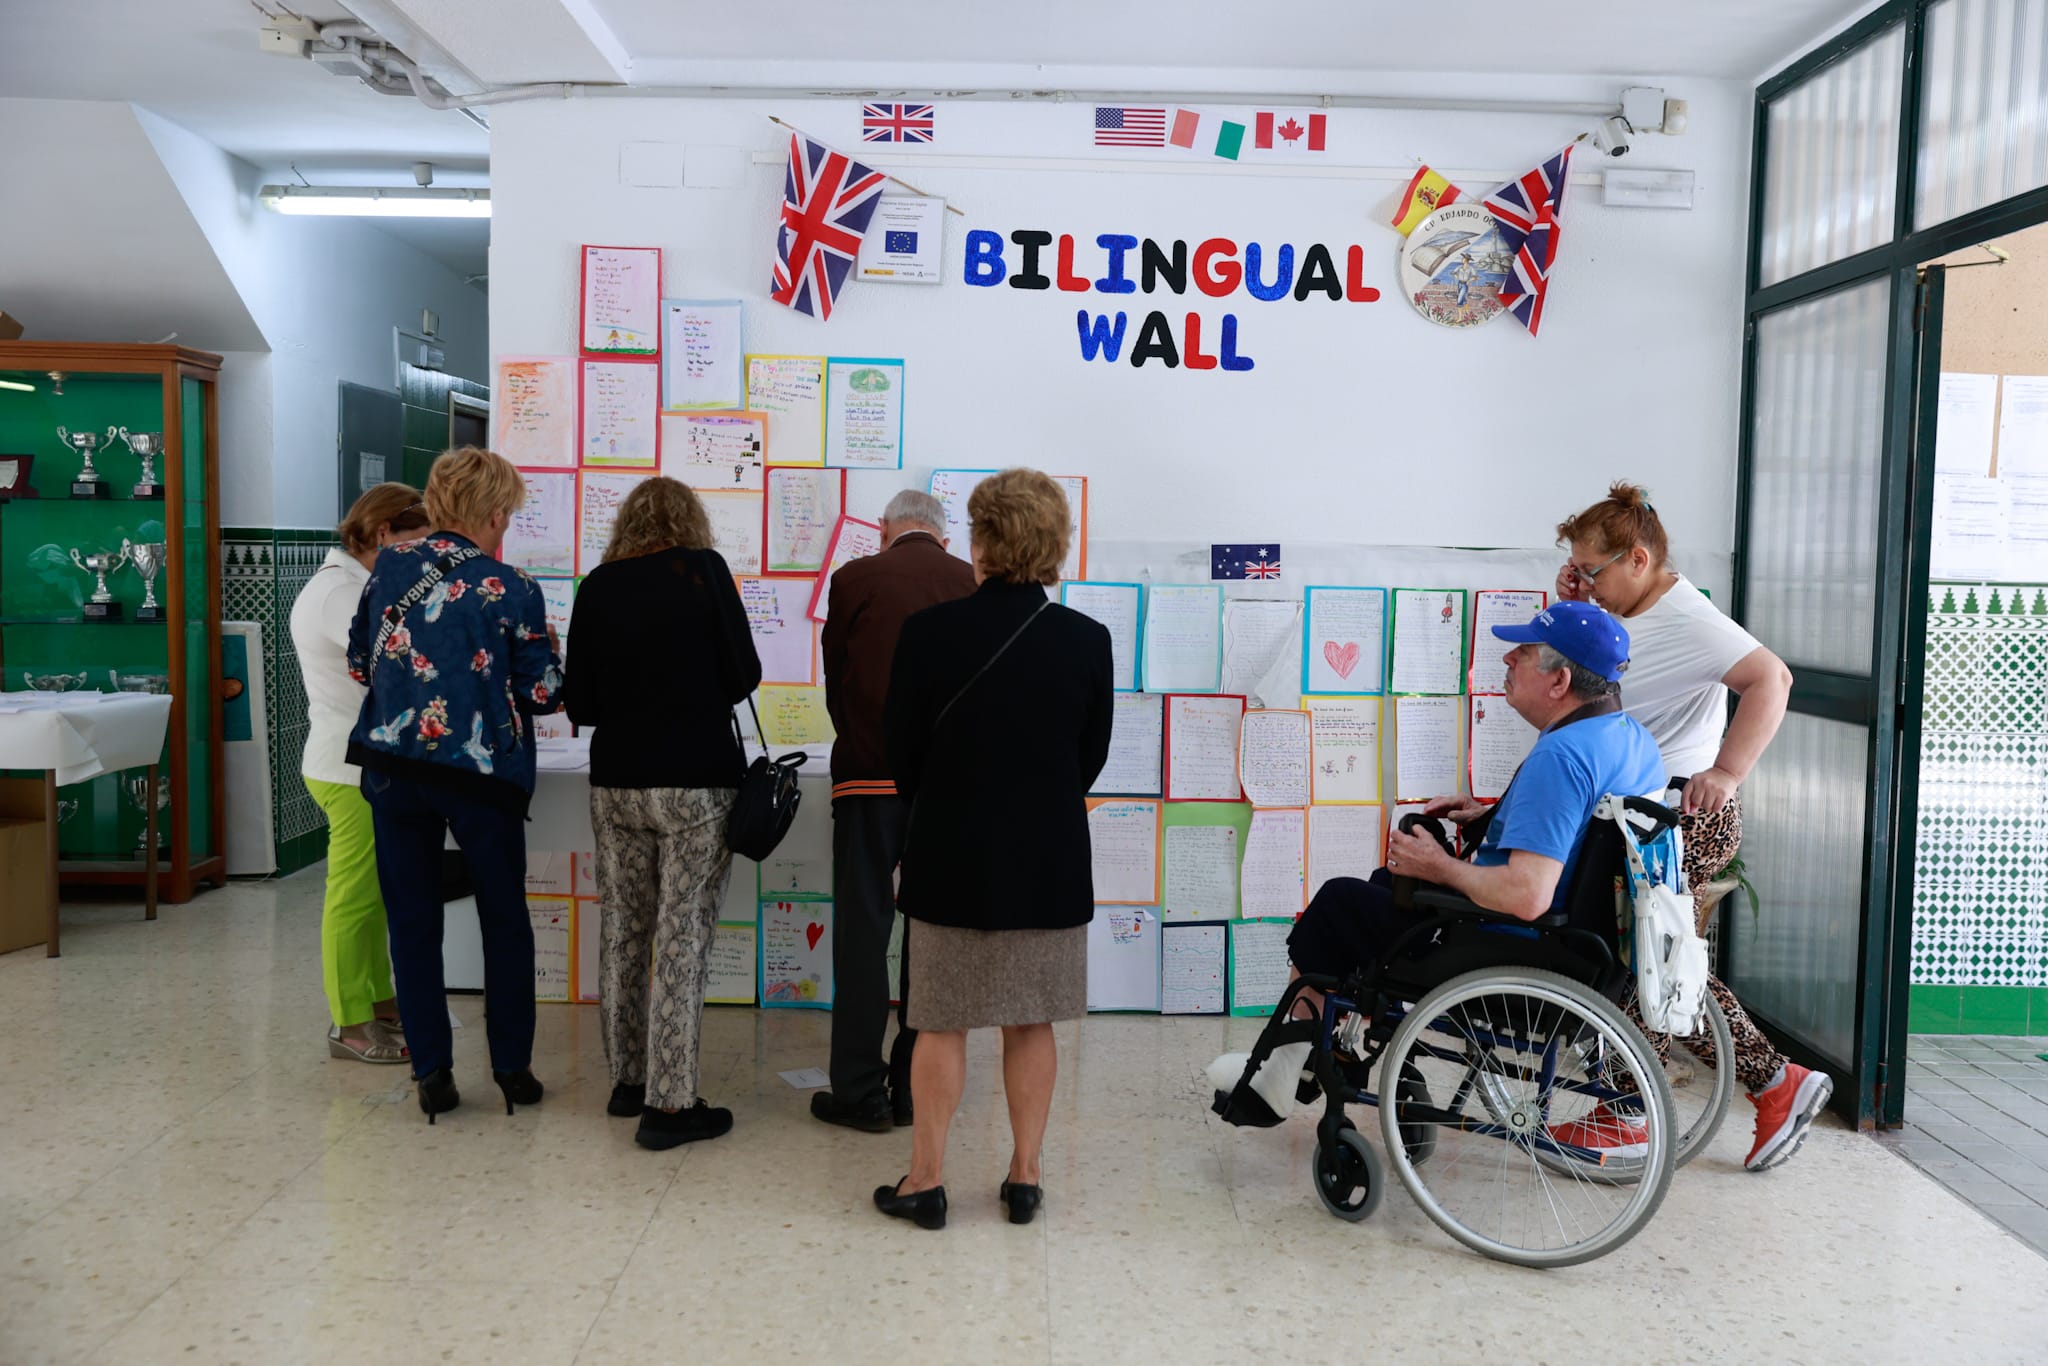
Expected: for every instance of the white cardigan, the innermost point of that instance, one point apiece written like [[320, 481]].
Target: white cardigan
[[320, 619]]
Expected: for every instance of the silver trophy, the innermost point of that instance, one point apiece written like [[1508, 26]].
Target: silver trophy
[[147, 447], [88, 484], [36, 682], [138, 795], [153, 684], [101, 606], [149, 562]]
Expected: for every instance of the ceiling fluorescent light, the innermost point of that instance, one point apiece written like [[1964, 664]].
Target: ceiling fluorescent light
[[372, 201], [17, 384]]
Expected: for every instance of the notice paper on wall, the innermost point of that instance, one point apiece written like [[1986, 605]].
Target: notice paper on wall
[[1136, 746], [541, 537], [1343, 841], [1201, 747], [1344, 747], [852, 539], [736, 519], [1192, 959], [1183, 649], [794, 717], [558, 599], [2023, 427], [1124, 837], [1426, 746], [598, 495], [1258, 964], [803, 505], [904, 240], [621, 400], [1499, 740], [1116, 606], [1202, 847], [700, 354], [800, 868], [1075, 486], [553, 925], [864, 413], [796, 954], [1257, 660], [952, 488], [550, 873], [1123, 958], [621, 309], [1429, 641], [715, 450], [589, 951], [1970, 527], [533, 408], [791, 390], [1273, 758], [729, 977], [1343, 639], [1498, 607], [1275, 854], [779, 619], [1966, 424]]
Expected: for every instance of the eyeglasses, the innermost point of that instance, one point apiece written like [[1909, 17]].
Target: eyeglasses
[[1591, 574]]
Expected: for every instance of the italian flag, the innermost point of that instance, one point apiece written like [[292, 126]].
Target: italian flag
[[1207, 133]]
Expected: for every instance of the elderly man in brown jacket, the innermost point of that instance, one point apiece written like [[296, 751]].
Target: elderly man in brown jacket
[[869, 601]]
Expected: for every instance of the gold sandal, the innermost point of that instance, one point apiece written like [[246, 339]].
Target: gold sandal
[[364, 1050]]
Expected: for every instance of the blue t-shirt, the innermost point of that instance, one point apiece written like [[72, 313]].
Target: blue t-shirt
[[1551, 799]]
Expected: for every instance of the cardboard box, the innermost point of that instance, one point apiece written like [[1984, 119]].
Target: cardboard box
[[10, 327], [24, 905]]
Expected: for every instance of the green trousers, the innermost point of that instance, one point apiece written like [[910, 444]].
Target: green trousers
[[355, 958]]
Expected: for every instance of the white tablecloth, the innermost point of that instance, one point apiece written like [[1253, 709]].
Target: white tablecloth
[[560, 813], [82, 735]]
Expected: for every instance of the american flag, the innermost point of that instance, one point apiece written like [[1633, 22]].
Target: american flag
[[1244, 562], [1116, 126], [1527, 210], [827, 200], [896, 123]]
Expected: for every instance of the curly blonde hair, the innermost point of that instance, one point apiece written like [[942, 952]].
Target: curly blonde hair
[[659, 514], [1020, 528], [470, 487]]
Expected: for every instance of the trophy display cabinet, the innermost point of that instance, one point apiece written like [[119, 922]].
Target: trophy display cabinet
[[110, 580]]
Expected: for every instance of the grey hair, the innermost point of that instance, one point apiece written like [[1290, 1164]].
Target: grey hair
[[1585, 683], [914, 507]]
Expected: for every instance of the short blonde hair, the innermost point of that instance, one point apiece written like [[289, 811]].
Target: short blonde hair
[[659, 514], [471, 486], [1020, 529], [392, 505]]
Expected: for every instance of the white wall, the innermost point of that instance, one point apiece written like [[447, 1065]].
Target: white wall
[[1360, 424]]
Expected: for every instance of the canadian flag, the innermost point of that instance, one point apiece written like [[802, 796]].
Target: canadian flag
[[1291, 132]]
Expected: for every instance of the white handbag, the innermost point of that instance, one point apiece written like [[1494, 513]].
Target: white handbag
[[1667, 953]]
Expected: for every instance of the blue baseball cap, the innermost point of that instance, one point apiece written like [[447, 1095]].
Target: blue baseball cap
[[1583, 633]]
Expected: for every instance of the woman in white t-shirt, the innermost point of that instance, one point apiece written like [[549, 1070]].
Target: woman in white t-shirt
[[1685, 657], [354, 959]]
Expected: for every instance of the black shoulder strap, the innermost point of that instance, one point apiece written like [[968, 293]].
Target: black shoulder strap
[[1000, 651]]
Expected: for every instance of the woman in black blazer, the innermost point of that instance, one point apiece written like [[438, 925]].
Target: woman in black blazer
[[997, 724]]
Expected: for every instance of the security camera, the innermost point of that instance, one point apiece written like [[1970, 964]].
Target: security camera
[[1612, 136]]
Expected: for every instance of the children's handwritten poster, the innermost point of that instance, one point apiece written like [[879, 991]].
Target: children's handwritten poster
[[801, 866], [1256, 637], [729, 980], [1258, 965], [598, 495], [1491, 608], [1123, 958], [589, 951], [852, 539], [558, 596], [1124, 838], [533, 406], [864, 413], [620, 404], [1426, 746], [1499, 740], [700, 354], [1075, 486], [1344, 747], [1201, 748], [549, 874], [552, 922], [777, 616], [1273, 758], [1136, 739], [541, 537], [1343, 640], [715, 450], [803, 506], [1116, 606], [953, 488], [796, 954], [1191, 969], [1272, 873], [1183, 649], [735, 528], [791, 390], [794, 717], [1343, 841], [1202, 848], [621, 300], [1429, 641]]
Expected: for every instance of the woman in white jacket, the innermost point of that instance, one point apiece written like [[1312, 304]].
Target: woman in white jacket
[[354, 957]]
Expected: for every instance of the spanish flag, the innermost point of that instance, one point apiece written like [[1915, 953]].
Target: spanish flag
[[1425, 194]]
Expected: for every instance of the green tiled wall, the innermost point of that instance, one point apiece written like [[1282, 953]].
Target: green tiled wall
[[1978, 1010], [425, 396]]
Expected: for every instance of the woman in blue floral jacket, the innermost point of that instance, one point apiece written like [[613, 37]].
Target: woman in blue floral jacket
[[453, 646]]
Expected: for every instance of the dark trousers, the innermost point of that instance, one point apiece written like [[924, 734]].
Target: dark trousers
[[413, 822], [1348, 926], [867, 843]]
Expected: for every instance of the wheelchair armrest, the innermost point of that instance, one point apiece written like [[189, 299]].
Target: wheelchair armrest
[[1444, 901]]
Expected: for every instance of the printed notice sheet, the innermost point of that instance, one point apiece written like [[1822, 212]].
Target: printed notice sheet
[[1191, 969], [1124, 836], [1498, 607], [533, 407], [1123, 958], [1258, 964], [598, 495], [700, 354], [1344, 747], [621, 300], [1426, 746], [620, 403], [1273, 872], [1273, 758], [1967, 424], [778, 616], [1136, 736], [904, 240], [791, 390], [864, 413], [1500, 740], [1201, 748], [1429, 641], [1343, 841], [541, 537], [1115, 605], [851, 540], [715, 450], [1183, 649], [803, 505], [1343, 640]]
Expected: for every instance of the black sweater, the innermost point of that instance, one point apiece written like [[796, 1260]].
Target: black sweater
[[659, 654]]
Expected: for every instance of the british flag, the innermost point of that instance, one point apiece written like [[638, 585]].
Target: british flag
[[827, 200], [896, 123], [1528, 211]]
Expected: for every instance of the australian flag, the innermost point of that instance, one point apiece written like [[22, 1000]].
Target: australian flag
[[827, 200], [1260, 561]]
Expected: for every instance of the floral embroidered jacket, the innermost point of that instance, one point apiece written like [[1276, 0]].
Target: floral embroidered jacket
[[452, 684]]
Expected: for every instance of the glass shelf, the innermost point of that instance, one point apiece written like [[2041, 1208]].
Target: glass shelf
[[77, 621]]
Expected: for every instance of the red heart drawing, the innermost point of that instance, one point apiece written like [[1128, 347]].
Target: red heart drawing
[[1342, 658], [814, 932]]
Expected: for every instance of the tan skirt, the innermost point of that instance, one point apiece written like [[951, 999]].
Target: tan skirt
[[976, 979]]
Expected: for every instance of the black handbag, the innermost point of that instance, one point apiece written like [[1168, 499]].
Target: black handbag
[[768, 797]]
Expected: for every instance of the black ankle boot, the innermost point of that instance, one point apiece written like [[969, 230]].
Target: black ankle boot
[[520, 1088], [437, 1093], [627, 1101]]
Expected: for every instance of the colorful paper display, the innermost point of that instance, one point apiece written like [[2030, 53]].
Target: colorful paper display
[[541, 537], [617, 414], [791, 390], [533, 410], [700, 354], [1343, 640], [864, 413], [621, 301], [802, 508], [724, 450]]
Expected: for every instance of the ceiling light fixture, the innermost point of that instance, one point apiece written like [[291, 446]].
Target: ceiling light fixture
[[376, 201]]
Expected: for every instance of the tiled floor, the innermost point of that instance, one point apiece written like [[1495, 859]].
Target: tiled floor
[[1977, 1122], [186, 1177]]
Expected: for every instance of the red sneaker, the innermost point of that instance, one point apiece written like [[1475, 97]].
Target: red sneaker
[[1611, 1133], [1784, 1112]]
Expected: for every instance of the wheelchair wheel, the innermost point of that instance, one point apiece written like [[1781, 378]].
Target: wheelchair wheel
[[1509, 1059], [1347, 1174], [1700, 1094]]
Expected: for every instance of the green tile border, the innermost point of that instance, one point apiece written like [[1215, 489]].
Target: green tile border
[[2012, 1011], [1934, 1010]]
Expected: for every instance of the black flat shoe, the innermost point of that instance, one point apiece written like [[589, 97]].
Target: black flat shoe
[[520, 1088], [437, 1093], [660, 1130], [870, 1116], [926, 1209], [1023, 1200], [626, 1101]]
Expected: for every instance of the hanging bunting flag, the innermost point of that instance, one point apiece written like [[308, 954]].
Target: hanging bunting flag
[[1212, 133], [1426, 193], [1119, 126], [827, 200], [1528, 210], [897, 123], [1289, 132]]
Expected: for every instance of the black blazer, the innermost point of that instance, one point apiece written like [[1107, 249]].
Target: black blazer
[[999, 819]]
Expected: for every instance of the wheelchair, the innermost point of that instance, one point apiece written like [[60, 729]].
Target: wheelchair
[[1509, 1052]]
